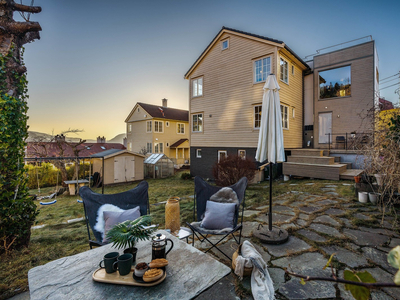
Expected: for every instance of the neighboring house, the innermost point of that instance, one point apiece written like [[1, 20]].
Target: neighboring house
[[159, 129], [385, 104], [226, 90]]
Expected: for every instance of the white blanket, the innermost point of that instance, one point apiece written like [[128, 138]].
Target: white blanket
[[262, 286]]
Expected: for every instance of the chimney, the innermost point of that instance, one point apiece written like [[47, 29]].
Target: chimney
[[125, 142], [101, 139], [60, 138], [164, 102]]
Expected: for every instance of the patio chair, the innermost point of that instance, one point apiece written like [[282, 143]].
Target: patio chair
[[205, 192], [95, 204]]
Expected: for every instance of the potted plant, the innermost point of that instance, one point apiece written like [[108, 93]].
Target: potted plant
[[125, 235]]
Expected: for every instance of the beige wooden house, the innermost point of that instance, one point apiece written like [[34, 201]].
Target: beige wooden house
[[225, 96], [159, 129]]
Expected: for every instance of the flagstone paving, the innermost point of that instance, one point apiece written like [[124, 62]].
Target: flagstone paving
[[318, 226]]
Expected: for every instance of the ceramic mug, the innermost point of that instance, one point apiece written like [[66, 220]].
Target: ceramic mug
[[109, 260], [123, 264]]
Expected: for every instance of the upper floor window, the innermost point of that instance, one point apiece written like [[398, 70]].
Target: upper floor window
[[284, 70], [158, 126], [285, 116], [181, 128], [197, 87], [262, 68], [129, 127], [257, 116], [197, 122], [148, 126], [149, 148], [335, 83], [225, 44]]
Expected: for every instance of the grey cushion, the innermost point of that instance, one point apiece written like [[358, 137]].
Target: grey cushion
[[219, 215], [112, 218]]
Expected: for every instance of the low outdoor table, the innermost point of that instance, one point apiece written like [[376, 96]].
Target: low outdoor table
[[72, 185], [189, 273]]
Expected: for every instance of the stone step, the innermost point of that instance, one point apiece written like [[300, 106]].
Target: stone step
[[307, 152], [337, 158], [349, 174], [331, 172], [349, 165], [317, 160]]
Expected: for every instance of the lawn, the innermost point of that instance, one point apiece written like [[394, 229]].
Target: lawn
[[59, 238]]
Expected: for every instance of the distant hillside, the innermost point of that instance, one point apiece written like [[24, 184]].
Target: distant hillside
[[40, 136], [118, 139]]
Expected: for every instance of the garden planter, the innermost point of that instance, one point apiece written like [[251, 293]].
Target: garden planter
[[373, 197], [357, 179], [363, 197], [379, 179]]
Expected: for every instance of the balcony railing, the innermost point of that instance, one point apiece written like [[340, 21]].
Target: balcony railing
[[349, 141]]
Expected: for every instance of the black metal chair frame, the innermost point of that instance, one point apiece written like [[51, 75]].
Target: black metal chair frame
[[238, 227], [96, 243]]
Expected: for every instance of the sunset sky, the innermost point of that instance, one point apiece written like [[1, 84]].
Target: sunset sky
[[97, 58]]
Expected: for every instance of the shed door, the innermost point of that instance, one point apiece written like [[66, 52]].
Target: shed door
[[325, 127], [130, 168], [119, 169]]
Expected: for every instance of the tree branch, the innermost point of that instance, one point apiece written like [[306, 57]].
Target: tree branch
[[22, 27], [339, 280], [26, 8]]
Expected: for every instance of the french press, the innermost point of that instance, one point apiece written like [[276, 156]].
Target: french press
[[159, 243]]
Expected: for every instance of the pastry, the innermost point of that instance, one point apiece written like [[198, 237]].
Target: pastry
[[152, 275], [158, 263]]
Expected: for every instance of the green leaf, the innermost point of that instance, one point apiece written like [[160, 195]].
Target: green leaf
[[358, 292], [302, 281], [329, 261], [397, 278], [394, 257]]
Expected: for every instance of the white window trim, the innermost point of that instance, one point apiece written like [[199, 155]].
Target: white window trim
[[129, 128], [202, 87], [151, 147], [254, 68], [287, 117], [157, 147], [197, 153], [159, 126], [254, 116], [287, 69], [222, 44], [151, 126], [177, 128], [244, 157], [220, 152], [167, 123], [202, 125]]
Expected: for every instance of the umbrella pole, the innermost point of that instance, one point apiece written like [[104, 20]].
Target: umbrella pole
[[270, 198]]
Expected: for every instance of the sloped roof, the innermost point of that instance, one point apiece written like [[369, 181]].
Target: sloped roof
[[162, 112], [154, 158], [227, 29], [178, 143], [114, 152]]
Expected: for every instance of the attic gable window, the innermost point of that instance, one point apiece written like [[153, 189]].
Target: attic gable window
[[225, 44], [197, 87], [262, 68]]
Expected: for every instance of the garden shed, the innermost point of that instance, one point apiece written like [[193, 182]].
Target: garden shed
[[158, 165], [116, 166]]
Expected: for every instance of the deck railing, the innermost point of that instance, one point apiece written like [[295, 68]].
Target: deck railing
[[349, 140]]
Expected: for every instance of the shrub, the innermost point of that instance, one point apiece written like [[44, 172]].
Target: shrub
[[230, 169], [186, 176]]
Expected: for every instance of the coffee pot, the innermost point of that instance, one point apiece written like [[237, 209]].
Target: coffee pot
[[159, 243]]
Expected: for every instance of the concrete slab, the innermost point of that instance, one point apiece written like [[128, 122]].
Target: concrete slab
[[327, 220], [249, 213], [293, 245], [335, 212], [311, 235], [363, 238], [347, 257], [326, 230], [379, 258]]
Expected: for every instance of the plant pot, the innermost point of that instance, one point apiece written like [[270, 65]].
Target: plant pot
[[357, 179], [374, 197], [363, 197], [132, 251], [379, 179]]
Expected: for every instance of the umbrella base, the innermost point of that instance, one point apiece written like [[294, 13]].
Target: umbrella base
[[275, 237]]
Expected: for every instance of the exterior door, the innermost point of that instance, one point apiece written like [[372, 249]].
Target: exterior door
[[130, 168], [325, 127], [119, 169]]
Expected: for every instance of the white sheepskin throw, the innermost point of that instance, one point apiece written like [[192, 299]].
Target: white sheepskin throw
[[100, 218], [225, 195]]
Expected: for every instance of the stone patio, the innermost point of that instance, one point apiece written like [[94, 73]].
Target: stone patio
[[319, 226]]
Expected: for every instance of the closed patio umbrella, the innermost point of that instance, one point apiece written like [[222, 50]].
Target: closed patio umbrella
[[270, 147]]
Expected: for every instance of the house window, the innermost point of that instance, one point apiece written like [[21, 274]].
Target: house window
[[129, 127], [198, 153], [285, 118], [284, 70], [225, 44], [335, 83], [158, 126], [262, 68], [158, 148], [197, 121], [149, 148], [222, 154], [148, 126], [180, 128], [257, 116], [242, 154], [167, 124], [197, 87]]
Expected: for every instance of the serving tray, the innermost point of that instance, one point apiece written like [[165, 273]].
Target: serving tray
[[100, 275]]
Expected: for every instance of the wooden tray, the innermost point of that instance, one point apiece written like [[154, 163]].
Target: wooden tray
[[100, 275]]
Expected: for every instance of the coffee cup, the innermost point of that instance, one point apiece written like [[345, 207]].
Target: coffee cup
[[109, 260], [123, 264]]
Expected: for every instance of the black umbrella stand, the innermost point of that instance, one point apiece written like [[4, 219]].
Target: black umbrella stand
[[270, 235]]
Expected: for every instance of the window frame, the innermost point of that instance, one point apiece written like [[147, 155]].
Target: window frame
[[129, 128], [149, 147], [244, 151], [254, 116], [287, 116], [222, 44], [147, 126], [330, 69], [280, 70], [159, 147], [266, 71], [202, 123], [196, 80], [220, 152], [158, 125], [177, 128], [198, 153]]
